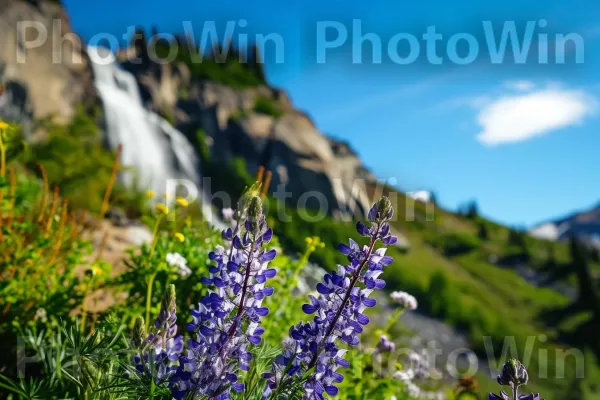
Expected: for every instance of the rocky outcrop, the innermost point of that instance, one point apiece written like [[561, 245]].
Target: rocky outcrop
[[49, 78], [584, 225], [313, 170], [306, 164]]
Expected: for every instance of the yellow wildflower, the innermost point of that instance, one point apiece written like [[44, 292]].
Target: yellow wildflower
[[179, 236], [162, 208], [94, 270], [182, 202], [308, 240], [3, 124], [150, 194]]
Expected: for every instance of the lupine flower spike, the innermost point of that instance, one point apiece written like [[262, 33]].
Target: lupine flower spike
[[158, 353], [338, 313], [228, 319]]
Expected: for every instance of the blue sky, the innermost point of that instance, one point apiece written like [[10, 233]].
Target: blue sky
[[521, 140]]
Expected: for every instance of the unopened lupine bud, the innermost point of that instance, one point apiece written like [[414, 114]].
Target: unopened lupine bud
[[168, 308], [382, 210], [513, 374], [255, 212], [138, 335]]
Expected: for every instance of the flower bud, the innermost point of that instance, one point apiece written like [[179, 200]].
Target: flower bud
[[139, 332], [382, 210], [513, 374], [255, 209]]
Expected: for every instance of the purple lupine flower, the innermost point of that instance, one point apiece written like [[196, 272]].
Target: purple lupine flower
[[339, 312], [513, 374], [157, 354], [228, 319], [504, 396], [385, 345]]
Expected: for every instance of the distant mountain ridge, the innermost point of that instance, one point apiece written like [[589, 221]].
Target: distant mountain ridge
[[584, 225]]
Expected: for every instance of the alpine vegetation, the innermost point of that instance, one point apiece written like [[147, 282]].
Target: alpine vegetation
[[228, 348]]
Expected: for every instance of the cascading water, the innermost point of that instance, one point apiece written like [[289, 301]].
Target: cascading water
[[155, 149]]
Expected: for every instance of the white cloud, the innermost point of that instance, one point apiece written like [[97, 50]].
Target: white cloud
[[421, 195], [520, 86], [518, 117]]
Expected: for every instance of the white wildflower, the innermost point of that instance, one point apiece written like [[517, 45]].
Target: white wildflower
[[227, 213], [413, 389], [406, 300], [403, 376], [178, 261], [41, 315]]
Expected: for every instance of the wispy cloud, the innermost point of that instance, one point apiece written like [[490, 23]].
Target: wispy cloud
[[512, 118], [520, 85], [367, 104]]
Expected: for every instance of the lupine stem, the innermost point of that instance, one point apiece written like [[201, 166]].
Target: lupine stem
[[393, 320], [155, 234], [153, 275], [149, 298], [84, 307]]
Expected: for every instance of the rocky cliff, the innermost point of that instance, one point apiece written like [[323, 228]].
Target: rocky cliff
[[314, 169], [45, 77], [584, 224], [311, 166]]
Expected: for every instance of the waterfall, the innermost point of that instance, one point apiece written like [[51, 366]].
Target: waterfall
[[151, 146]]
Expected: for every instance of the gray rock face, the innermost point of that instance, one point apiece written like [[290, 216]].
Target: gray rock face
[[46, 78], [313, 170], [585, 225]]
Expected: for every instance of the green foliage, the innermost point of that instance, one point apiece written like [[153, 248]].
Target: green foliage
[[148, 264], [453, 244], [482, 231], [40, 249], [221, 64], [238, 115], [75, 160], [268, 106], [470, 210]]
